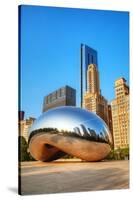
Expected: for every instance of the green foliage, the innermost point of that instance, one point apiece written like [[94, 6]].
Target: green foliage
[[23, 150], [67, 156], [118, 154]]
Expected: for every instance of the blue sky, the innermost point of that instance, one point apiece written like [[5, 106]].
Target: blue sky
[[50, 50]]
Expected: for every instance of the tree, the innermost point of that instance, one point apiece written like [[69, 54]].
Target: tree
[[118, 154], [23, 147]]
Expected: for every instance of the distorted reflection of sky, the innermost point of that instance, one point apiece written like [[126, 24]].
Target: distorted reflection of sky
[[67, 118]]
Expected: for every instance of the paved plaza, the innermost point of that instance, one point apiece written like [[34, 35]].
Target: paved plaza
[[73, 176]]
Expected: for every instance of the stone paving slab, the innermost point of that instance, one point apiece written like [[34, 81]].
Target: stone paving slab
[[73, 175]]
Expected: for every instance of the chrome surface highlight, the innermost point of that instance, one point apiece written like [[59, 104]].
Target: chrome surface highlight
[[69, 130]]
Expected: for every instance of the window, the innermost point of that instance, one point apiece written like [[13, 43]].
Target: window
[[63, 92]]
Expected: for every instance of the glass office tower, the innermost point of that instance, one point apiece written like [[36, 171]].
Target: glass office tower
[[88, 56], [65, 96]]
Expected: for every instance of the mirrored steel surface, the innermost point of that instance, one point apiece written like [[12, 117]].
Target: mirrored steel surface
[[72, 121], [69, 130]]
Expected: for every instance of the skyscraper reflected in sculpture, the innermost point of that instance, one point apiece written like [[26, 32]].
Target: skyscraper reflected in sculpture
[[69, 130]]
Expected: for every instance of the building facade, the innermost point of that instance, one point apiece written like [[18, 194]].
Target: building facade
[[24, 126], [21, 115], [93, 100], [65, 96], [110, 123], [88, 56], [93, 85], [120, 114]]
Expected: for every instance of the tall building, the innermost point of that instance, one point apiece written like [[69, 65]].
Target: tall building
[[88, 56], [21, 115], [65, 96], [93, 85], [120, 114], [110, 123], [24, 126], [93, 100]]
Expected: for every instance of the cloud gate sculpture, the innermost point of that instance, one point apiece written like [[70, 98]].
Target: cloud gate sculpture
[[69, 130]]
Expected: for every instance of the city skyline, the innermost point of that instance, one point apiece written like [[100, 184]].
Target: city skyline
[[43, 59]]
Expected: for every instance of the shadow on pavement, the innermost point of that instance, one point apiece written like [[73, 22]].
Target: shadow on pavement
[[13, 189]]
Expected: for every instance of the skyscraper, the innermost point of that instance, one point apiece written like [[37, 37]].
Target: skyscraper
[[21, 115], [93, 100], [120, 114], [110, 123], [65, 96], [24, 126], [88, 56], [93, 79]]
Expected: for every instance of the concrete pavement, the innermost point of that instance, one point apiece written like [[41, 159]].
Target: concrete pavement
[[73, 176]]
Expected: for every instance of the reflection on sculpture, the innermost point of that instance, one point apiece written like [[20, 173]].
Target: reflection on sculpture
[[69, 130]]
